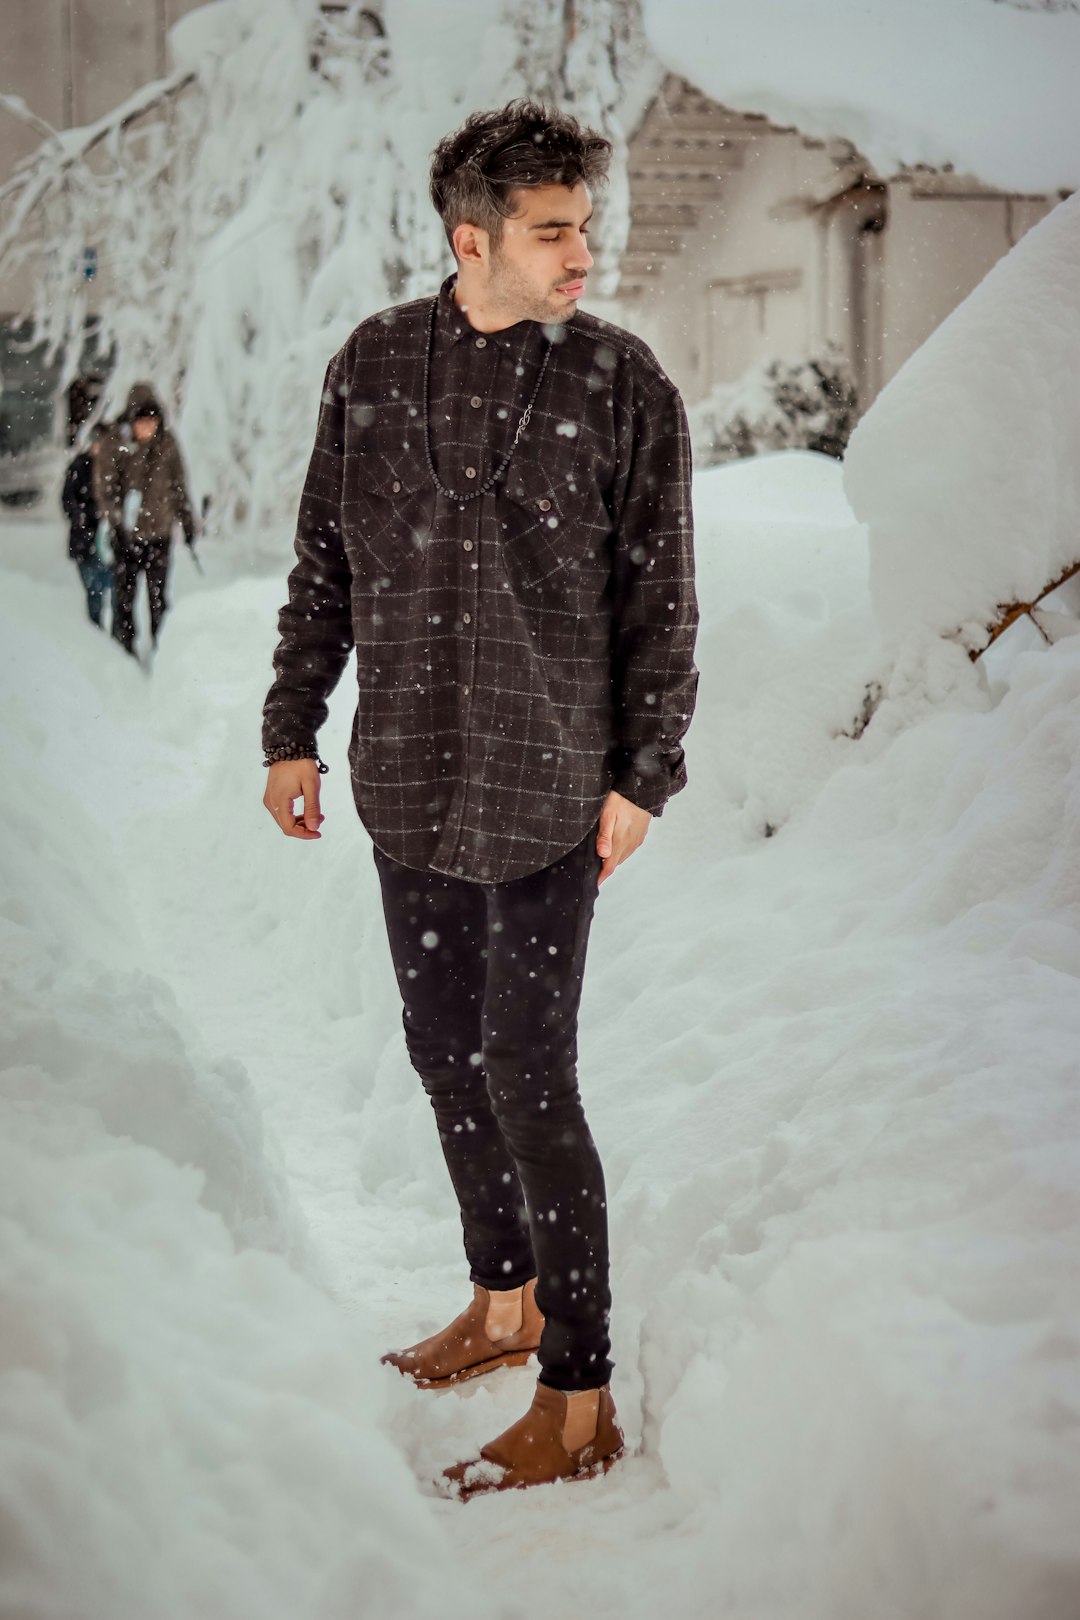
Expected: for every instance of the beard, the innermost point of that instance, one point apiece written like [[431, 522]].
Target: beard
[[514, 292]]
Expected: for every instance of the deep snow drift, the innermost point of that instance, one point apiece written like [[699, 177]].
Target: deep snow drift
[[967, 470], [187, 1425], [832, 1072]]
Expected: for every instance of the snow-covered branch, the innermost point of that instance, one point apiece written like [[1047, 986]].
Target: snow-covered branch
[[64, 149]]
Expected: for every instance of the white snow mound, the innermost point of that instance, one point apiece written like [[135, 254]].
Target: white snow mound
[[966, 469]]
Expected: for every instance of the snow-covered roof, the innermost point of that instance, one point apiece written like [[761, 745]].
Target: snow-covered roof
[[984, 86]]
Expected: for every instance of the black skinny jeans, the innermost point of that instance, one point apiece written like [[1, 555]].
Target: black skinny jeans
[[490, 976], [132, 555]]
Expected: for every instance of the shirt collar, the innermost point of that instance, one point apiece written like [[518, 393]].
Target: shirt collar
[[452, 326]]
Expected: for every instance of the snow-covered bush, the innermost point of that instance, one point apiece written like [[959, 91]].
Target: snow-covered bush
[[792, 403]]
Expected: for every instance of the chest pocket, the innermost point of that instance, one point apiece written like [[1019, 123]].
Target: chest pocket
[[387, 517], [540, 528]]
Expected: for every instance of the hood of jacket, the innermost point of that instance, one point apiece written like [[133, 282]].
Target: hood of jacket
[[141, 400]]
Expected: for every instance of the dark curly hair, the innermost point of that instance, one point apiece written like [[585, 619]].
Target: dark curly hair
[[475, 170]]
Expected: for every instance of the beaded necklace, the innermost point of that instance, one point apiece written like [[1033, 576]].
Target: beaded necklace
[[482, 489]]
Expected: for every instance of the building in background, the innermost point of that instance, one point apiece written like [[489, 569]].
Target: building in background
[[750, 243]]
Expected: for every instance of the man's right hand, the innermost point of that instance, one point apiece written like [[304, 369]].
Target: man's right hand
[[287, 781]]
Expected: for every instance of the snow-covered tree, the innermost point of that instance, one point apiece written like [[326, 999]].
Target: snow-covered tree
[[249, 209]]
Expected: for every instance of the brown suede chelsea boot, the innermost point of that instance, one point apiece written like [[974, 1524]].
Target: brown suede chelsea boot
[[501, 1328], [561, 1436]]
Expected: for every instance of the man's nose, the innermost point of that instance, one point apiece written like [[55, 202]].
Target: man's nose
[[579, 257]]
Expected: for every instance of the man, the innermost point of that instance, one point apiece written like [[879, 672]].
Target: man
[[139, 486], [497, 516]]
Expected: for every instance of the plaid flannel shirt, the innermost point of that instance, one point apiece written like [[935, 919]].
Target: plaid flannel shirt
[[520, 654]]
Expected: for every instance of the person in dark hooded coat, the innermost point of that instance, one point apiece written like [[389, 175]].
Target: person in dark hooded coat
[[81, 512], [141, 489]]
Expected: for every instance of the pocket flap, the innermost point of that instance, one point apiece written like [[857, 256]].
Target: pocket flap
[[390, 476], [544, 494]]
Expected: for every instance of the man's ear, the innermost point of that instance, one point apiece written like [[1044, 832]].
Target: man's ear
[[470, 243]]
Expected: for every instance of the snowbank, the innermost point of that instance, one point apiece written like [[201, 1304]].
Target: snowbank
[[187, 1429], [851, 1239], [188, 1425], [100, 1035], [989, 89], [788, 644], [965, 469]]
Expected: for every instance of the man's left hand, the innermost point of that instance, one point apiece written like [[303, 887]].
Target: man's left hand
[[623, 826]]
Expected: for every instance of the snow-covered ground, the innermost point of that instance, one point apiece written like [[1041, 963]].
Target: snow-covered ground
[[829, 1053]]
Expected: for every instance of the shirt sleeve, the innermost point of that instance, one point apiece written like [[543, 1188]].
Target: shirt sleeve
[[655, 603], [315, 625]]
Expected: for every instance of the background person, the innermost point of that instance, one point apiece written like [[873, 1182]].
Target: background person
[[140, 487], [80, 509]]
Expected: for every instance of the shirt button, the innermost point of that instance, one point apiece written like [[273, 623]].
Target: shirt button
[[465, 689], [545, 506], [476, 402], [466, 618], [470, 472], [395, 486], [467, 545], [481, 343]]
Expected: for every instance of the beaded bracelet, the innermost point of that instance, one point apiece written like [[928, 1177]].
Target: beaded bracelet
[[291, 751]]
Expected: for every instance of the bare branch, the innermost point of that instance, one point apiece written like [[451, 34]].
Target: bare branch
[[1009, 612]]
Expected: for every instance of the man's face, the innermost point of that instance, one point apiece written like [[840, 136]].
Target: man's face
[[145, 427], [537, 272]]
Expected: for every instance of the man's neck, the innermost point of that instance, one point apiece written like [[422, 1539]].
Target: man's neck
[[479, 318]]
